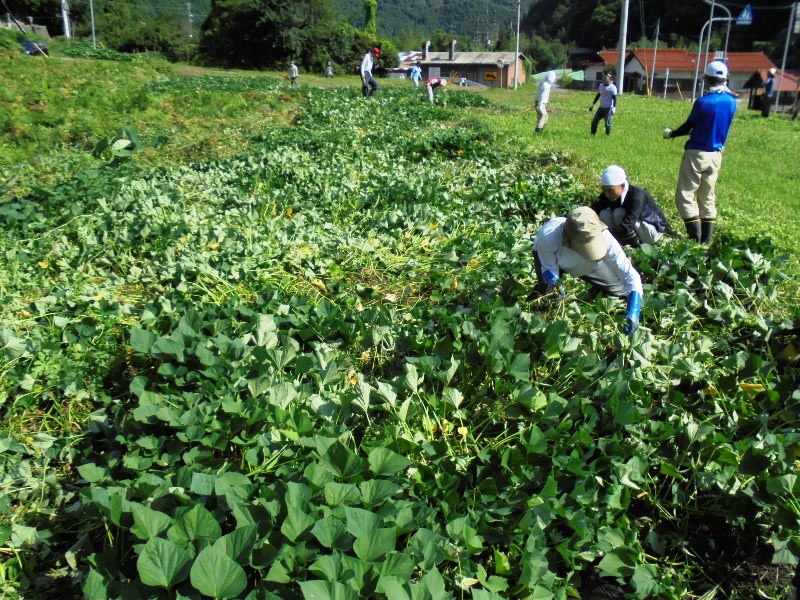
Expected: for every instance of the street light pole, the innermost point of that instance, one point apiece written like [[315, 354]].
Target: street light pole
[[516, 53], [789, 31], [91, 10], [623, 43], [699, 48]]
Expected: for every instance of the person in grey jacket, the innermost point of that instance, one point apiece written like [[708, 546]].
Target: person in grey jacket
[[631, 213]]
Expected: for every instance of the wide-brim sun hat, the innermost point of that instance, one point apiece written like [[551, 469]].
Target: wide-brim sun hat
[[584, 229], [773, 70]]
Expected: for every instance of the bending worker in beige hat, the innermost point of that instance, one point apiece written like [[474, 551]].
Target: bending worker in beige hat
[[581, 244]]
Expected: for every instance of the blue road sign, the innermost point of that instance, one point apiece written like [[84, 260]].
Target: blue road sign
[[746, 16]]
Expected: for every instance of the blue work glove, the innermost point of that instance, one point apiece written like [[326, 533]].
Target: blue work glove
[[633, 314], [551, 281]]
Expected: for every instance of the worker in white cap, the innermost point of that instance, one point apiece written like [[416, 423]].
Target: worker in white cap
[[434, 83], [581, 244], [630, 212], [768, 97], [707, 126]]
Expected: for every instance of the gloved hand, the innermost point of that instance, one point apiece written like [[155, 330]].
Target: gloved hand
[[551, 284], [667, 134], [591, 107], [613, 110], [633, 314]]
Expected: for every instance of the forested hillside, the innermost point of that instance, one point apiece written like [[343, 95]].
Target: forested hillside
[[572, 22]]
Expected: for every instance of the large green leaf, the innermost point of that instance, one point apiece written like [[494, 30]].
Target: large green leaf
[[328, 531], [163, 563], [148, 523], [375, 543], [384, 462], [197, 524], [238, 543], [296, 523], [376, 491], [342, 461], [338, 494], [324, 590], [217, 575], [360, 520]]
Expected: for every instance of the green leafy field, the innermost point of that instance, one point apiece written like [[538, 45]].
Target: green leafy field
[[270, 343]]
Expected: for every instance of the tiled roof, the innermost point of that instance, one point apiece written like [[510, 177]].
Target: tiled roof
[[470, 58], [680, 59]]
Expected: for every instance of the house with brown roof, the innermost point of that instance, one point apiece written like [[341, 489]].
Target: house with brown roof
[[491, 69], [787, 86], [674, 68]]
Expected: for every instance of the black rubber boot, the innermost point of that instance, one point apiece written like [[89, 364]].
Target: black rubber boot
[[707, 230], [693, 229], [538, 130]]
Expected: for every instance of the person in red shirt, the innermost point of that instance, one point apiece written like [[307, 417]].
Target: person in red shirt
[[433, 83]]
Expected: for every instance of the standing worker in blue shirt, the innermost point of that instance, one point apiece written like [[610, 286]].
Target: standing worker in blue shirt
[[368, 85], [707, 126], [416, 74], [768, 97], [607, 94]]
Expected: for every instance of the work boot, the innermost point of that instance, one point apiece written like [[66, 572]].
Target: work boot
[[707, 230], [693, 229], [538, 130]]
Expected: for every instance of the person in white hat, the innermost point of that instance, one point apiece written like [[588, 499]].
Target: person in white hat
[[768, 97], [707, 126], [581, 244], [542, 98], [630, 212], [293, 73]]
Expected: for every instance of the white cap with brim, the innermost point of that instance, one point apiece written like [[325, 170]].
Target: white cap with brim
[[613, 175], [716, 68], [584, 230]]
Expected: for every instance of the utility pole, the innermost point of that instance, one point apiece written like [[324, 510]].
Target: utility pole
[[655, 51], [623, 43], [516, 53], [65, 17], [189, 14], [94, 38], [789, 31]]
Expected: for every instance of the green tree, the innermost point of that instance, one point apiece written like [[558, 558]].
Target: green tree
[[371, 16]]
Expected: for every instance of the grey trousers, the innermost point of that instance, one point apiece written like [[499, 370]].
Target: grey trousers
[[646, 233]]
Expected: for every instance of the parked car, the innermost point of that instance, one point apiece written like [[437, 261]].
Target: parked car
[[33, 48]]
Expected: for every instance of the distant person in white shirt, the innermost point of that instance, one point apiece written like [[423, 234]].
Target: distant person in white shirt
[[368, 85], [542, 98], [293, 73], [607, 94]]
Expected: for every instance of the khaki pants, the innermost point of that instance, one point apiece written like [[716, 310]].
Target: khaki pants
[[695, 196], [541, 110]]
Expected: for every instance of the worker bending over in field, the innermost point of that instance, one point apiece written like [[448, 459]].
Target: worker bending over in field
[[434, 83], [707, 126], [581, 244], [632, 216]]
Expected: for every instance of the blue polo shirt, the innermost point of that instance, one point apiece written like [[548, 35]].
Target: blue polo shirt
[[711, 119]]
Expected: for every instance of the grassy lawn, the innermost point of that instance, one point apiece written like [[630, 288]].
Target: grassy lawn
[[757, 188]]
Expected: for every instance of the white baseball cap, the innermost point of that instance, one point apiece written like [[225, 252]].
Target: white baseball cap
[[716, 68], [613, 175]]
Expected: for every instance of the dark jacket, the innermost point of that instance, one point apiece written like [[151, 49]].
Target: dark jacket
[[639, 206]]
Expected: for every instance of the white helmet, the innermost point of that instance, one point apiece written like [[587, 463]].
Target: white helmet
[[716, 69]]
